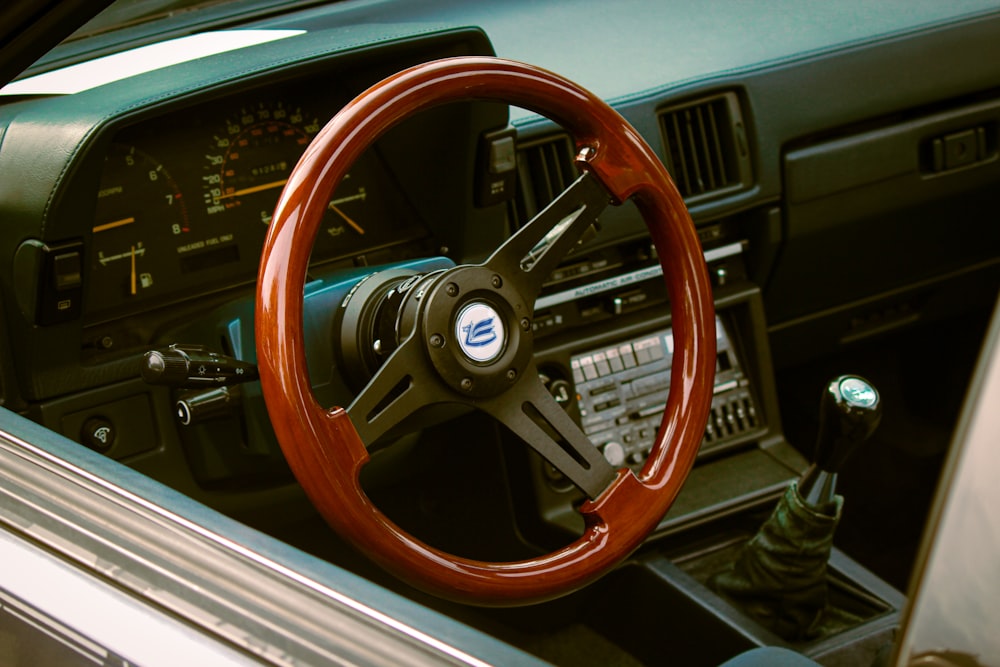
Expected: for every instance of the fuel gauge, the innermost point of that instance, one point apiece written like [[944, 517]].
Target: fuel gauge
[[139, 210]]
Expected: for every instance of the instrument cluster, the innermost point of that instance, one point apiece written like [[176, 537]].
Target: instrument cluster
[[185, 200]]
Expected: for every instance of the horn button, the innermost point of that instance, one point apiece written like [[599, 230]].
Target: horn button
[[477, 331]]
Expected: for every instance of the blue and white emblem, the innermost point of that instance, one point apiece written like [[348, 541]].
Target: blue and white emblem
[[479, 331]]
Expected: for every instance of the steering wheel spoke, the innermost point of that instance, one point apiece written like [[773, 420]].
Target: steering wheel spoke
[[536, 418], [529, 256], [400, 387]]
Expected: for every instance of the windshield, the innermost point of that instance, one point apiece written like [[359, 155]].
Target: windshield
[[125, 13]]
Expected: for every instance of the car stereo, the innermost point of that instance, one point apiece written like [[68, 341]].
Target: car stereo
[[621, 391]]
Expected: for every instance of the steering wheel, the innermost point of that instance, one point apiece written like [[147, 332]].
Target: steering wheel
[[467, 337]]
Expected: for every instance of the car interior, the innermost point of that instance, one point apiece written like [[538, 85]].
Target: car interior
[[814, 322]]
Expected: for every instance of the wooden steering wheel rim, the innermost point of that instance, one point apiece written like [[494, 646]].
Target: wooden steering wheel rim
[[322, 446]]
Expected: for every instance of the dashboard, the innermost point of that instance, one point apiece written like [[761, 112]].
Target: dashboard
[[143, 204]]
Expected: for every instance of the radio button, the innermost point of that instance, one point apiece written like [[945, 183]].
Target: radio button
[[627, 356]]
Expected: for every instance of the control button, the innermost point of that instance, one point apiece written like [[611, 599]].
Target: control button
[[601, 364], [577, 372], [496, 172], [603, 389], [721, 276], [741, 414], [587, 366], [624, 302], [614, 453], [503, 157], [751, 412], [960, 149], [98, 433], [647, 350], [614, 360], [561, 391], [66, 271], [604, 405], [49, 285]]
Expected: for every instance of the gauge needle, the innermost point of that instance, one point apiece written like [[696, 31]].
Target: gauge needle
[[249, 191], [133, 270], [111, 225], [355, 226]]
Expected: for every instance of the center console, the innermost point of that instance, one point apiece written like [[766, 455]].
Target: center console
[[604, 346]]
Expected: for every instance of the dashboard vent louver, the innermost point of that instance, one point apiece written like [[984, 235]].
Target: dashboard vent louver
[[706, 146], [544, 169]]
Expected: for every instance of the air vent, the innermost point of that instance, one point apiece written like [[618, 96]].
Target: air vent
[[706, 146], [544, 169]]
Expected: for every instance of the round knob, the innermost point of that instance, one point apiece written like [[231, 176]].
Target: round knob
[[98, 433], [168, 366], [614, 453]]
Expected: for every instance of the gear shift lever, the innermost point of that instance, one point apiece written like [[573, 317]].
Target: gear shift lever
[[779, 576], [849, 413]]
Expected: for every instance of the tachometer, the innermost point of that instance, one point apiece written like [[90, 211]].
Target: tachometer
[[138, 206]]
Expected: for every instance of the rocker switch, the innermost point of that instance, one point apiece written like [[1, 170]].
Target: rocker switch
[[66, 271], [496, 177]]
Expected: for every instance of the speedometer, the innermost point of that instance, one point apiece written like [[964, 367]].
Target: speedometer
[[250, 161], [251, 158]]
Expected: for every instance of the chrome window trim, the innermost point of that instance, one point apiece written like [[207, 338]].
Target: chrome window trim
[[324, 623], [100, 622]]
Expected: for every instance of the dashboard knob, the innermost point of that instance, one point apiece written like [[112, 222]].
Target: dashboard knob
[[98, 433], [562, 391], [614, 453]]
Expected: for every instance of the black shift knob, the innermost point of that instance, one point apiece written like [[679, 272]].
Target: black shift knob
[[849, 412]]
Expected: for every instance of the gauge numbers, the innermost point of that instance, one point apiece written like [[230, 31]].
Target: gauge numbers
[[251, 158], [250, 161], [137, 201]]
